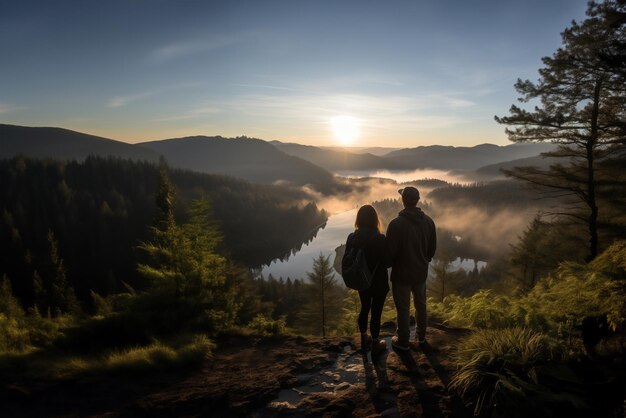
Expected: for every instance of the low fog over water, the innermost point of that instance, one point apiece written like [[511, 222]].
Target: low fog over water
[[403, 176], [484, 229]]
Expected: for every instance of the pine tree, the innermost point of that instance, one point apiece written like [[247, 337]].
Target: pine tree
[[323, 308], [183, 265], [582, 94], [440, 281], [9, 305], [61, 296]]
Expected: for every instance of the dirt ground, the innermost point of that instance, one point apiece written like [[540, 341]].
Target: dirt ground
[[264, 377]]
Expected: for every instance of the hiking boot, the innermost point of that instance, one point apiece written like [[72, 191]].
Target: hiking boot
[[366, 342], [379, 346], [399, 345]]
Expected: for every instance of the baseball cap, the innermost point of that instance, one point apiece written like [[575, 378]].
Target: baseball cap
[[410, 193]]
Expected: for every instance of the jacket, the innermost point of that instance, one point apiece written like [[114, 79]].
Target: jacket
[[375, 252], [411, 245]]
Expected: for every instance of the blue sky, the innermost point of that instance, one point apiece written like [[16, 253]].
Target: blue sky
[[405, 73]]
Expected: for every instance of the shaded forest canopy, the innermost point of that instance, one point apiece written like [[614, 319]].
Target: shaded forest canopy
[[100, 209]]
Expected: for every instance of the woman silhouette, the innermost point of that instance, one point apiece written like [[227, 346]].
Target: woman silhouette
[[367, 236]]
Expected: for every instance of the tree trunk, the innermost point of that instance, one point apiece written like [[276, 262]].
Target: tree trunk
[[323, 312], [591, 183]]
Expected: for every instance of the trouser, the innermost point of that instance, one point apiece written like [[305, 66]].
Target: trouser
[[373, 301], [402, 299]]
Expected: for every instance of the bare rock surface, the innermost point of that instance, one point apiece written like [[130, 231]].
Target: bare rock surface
[[265, 377]]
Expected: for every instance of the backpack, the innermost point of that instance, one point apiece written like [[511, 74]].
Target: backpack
[[354, 269]]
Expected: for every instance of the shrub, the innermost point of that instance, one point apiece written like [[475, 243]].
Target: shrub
[[268, 326], [554, 306], [504, 372], [14, 337]]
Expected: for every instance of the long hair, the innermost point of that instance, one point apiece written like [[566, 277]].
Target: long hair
[[367, 217]]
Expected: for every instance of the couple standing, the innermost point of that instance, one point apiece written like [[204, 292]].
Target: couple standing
[[408, 248]]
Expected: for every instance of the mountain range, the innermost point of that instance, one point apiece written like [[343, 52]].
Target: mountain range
[[267, 162], [249, 158], [64, 144]]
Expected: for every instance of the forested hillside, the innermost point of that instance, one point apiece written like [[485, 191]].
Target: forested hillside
[[252, 159], [64, 144], [96, 212]]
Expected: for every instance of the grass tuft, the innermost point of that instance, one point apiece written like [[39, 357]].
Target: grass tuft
[[499, 369]]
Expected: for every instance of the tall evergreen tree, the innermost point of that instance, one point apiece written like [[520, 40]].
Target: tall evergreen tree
[[61, 296], [9, 305], [582, 95], [440, 283], [184, 265], [323, 309]]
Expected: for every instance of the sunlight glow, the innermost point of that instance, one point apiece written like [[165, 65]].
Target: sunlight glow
[[345, 128]]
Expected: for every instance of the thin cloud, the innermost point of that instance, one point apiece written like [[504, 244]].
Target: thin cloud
[[7, 108], [121, 101], [376, 111], [454, 103], [265, 86], [190, 47]]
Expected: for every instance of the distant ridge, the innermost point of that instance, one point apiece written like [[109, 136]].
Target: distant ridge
[[249, 158], [377, 151], [430, 156], [461, 158], [333, 159], [536, 161], [259, 161], [64, 144], [252, 159]]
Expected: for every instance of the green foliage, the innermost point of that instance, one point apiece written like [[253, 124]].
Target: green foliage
[[102, 306], [321, 313], [542, 246], [9, 305], [508, 372], [25, 333], [350, 313], [153, 357], [444, 281], [555, 305], [484, 309], [185, 268], [263, 325], [99, 209], [13, 335], [21, 332], [581, 108], [184, 353], [282, 298]]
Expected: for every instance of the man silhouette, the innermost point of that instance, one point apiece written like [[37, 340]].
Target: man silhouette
[[411, 241]]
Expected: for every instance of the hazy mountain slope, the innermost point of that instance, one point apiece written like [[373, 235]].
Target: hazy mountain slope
[[333, 159], [252, 159], [64, 144], [377, 151], [536, 161], [432, 156], [461, 158]]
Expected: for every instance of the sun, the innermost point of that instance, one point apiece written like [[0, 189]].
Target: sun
[[345, 128]]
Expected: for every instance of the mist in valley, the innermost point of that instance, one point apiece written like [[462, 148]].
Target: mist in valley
[[179, 179]]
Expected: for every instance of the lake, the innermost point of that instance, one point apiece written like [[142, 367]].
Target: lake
[[339, 225], [327, 239]]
